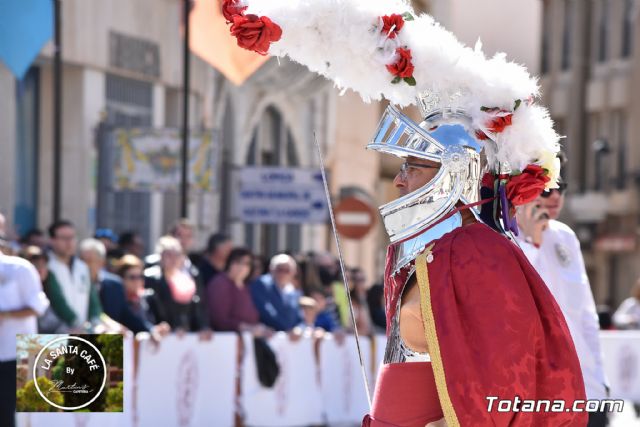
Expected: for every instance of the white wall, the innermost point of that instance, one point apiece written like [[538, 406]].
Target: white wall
[[7, 143], [509, 26]]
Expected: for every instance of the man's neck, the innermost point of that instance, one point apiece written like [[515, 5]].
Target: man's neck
[[467, 217], [66, 260]]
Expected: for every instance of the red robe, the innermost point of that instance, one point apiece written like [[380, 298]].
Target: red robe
[[493, 329]]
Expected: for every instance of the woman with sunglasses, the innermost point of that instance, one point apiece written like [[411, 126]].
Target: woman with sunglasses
[[126, 301], [554, 250]]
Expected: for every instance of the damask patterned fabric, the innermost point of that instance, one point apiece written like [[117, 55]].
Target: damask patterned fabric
[[499, 331]]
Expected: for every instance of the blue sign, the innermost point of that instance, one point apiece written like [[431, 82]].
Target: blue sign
[[274, 195]]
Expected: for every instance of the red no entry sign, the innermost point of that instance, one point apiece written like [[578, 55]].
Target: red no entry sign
[[354, 218]]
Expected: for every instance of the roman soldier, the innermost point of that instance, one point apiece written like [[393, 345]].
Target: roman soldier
[[471, 326]]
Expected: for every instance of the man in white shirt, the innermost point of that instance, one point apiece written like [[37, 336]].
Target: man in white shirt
[[628, 314], [21, 302], [72, 274], [554, 250]]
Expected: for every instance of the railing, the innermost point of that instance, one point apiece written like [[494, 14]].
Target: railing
[[189, 382]]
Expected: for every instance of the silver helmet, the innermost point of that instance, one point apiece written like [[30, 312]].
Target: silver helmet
[[445, 136]]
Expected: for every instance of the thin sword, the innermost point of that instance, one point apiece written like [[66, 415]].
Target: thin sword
[[344, 275]]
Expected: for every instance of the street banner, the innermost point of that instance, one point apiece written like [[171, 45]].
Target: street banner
[[294, 399], [621, 353], [273, 195], [151, 160], [25, 27], [187, 382], [343, 391]]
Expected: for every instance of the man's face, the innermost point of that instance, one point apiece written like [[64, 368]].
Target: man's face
[[415, 176], [553, 204], [64, 242], [94, 261], [184, 234], [283, 274], [223, 250]]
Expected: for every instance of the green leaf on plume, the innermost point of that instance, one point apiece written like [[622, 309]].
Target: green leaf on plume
[[518, 102], [411, 81], [396, 80], [407, 16], [485, 109]]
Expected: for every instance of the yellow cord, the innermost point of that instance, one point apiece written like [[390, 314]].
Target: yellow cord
[[422, 275]]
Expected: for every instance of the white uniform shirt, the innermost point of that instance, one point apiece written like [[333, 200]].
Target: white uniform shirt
[[628, 314], [560, 264], [20, 288], [75, 284]]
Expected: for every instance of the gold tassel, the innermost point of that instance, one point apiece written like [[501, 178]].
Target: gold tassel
[[422, 275]]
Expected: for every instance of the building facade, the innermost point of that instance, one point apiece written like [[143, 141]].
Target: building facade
[[122, 68], [590, 72]]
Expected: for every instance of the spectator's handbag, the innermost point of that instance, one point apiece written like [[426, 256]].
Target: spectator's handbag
[[266, 362]]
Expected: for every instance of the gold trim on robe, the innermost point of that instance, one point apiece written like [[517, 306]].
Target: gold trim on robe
[[422, 275]]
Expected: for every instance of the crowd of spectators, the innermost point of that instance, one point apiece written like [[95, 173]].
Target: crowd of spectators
[[178, 288]]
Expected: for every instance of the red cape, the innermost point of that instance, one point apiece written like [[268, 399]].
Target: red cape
[[493, 329]]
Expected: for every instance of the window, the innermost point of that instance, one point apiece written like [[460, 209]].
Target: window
[[546, 35], [129, 102], [272, 145], [630, 11], [603, 30], [569, 11]]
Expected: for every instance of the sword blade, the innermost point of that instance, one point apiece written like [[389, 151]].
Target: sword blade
[[342, 269]]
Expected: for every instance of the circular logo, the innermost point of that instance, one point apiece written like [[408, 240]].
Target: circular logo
[[86, 365]]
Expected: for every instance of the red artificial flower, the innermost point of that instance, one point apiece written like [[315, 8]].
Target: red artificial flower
[[255, 33], [231, 8], [403, 67], [391, 25], [498, 124], [488, 180], [495, 125], [526, 187], [481, 136]]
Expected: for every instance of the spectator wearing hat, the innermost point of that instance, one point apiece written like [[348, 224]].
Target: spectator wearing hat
[[108, 238]]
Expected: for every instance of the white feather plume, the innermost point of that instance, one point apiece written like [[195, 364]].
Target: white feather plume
[[342, 40]]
